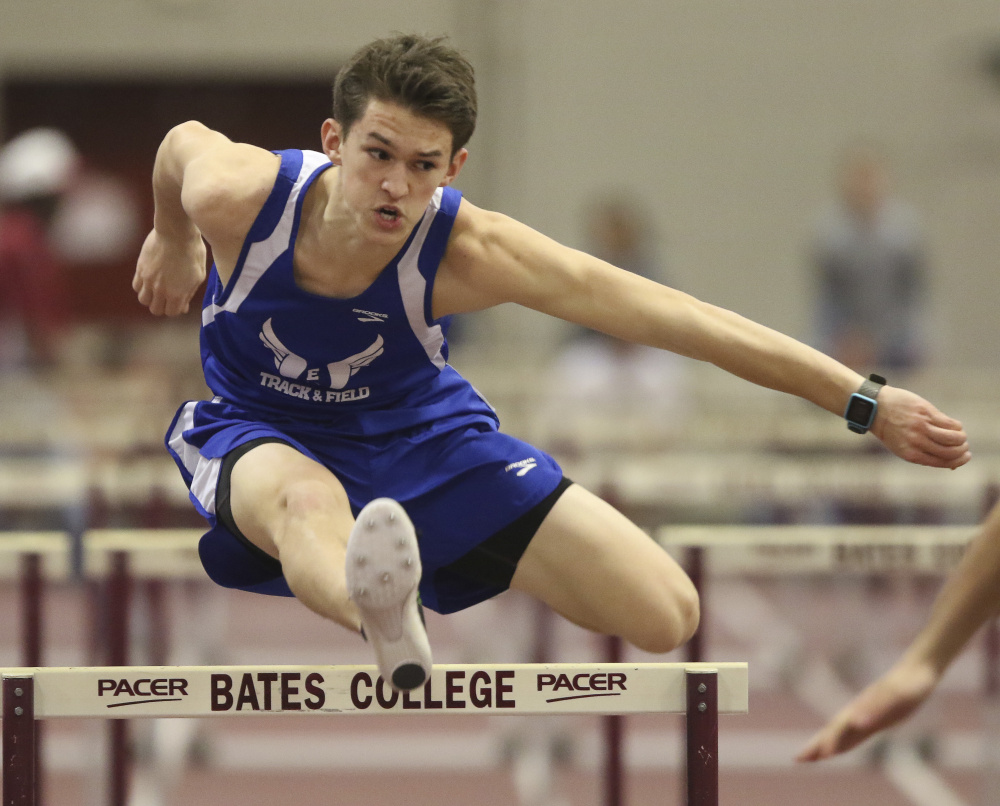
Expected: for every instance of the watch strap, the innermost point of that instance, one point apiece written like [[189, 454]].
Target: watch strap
[[872, 386]]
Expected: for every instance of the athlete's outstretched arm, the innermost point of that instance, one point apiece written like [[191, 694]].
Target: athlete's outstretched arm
[[968, 599], [204, 185], [493, 259]]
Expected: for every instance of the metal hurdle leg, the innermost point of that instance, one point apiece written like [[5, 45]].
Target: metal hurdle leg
[[31, 609], [119, 589], [991, 687], [695, 652], [701, 772], [614, 737], [31, 640], [19, 741], [695, 647], [702, 739]]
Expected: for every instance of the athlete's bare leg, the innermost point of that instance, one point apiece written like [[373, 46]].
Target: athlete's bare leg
[[592, 565], [297, 511], [354, 573]]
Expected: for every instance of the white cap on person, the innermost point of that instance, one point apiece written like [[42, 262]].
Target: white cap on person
[[38, 162]]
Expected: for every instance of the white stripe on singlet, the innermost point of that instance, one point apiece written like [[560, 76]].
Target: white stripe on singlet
[[262, 254], [413, 287]]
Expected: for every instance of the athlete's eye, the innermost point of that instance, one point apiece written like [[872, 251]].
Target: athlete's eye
[[379, 153], [426, 165]]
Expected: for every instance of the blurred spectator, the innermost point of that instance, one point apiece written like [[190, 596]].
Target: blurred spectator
[[868, 255], [37, 168], [619, 233], [600, 378], [98, 222]]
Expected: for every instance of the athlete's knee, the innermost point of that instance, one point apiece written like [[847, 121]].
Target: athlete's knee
[[670, 621], [307, 497], [688, 607]]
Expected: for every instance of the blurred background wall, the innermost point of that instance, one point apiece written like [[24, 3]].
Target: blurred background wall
[[723, 118]]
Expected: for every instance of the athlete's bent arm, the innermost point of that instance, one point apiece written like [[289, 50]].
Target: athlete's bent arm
[[204, 186], [968, 599], [493, 259]]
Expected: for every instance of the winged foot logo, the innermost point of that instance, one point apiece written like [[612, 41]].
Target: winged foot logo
[[292, 367]]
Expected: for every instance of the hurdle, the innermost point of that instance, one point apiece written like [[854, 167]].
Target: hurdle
[[728, 485], [840, 551], [119, 557], [804, 549], [795, 549], [701, 691]]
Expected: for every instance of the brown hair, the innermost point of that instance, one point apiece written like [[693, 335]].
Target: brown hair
[[424, 75]]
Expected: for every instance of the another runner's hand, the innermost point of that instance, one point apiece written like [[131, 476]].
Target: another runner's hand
[[888, 700], [916, 431], [167, 274]]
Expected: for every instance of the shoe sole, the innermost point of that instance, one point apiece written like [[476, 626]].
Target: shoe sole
[[383, 572]]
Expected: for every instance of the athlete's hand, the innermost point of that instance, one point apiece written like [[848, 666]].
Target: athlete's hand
[[890, 699], [916, 431], [167, 274]]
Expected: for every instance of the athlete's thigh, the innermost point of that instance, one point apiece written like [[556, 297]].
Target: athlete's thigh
[[594, 566], [269, 478]]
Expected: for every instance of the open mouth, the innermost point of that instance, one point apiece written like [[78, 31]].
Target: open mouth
[[388, 213]]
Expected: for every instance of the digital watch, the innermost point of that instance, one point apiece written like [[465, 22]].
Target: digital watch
[[861, 408]]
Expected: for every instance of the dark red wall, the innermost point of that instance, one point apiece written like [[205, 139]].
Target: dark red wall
[[118, 125]]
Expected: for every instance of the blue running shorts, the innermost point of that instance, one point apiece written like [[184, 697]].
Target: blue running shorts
[[475, 495]]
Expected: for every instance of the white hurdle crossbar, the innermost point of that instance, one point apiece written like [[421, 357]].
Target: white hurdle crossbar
[[701, 691], [795, 549]]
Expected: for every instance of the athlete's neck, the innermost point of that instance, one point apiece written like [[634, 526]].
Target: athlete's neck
[[333, 257]]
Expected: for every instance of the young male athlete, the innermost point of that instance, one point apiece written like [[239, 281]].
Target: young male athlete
[[969, 598], [342, 460]]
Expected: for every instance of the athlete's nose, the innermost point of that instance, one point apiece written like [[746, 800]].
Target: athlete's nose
[[394, 182]]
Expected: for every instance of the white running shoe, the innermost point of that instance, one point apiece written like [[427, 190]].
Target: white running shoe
[[383, 571]]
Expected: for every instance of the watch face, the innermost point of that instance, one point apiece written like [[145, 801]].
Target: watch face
[[860, 410]]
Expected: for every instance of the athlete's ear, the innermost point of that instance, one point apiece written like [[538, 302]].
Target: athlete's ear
[[332, 140], [456, 165]]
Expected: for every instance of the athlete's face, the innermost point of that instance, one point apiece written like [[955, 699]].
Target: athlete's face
[[391, 162]]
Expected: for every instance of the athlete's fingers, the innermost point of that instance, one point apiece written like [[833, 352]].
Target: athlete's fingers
[[146, 296], [932, 444], [947, 446], [947, 436], [923, 451], [942, 420], [828, 742], [835, 739], [176, 307], [930, 458]]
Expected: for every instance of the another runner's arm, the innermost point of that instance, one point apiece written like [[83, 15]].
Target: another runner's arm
[[493, 259], [969, 598]]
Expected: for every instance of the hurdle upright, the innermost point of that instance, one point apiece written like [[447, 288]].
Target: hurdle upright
[[701, 691]]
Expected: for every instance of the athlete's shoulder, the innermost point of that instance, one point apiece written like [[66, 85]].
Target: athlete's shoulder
[[477, 265], [472, 221], [225, 186], [231, 172], [477, 231]]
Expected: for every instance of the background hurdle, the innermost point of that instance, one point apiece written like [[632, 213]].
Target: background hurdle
[[797, 549], [800, 550], [700, 691]]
